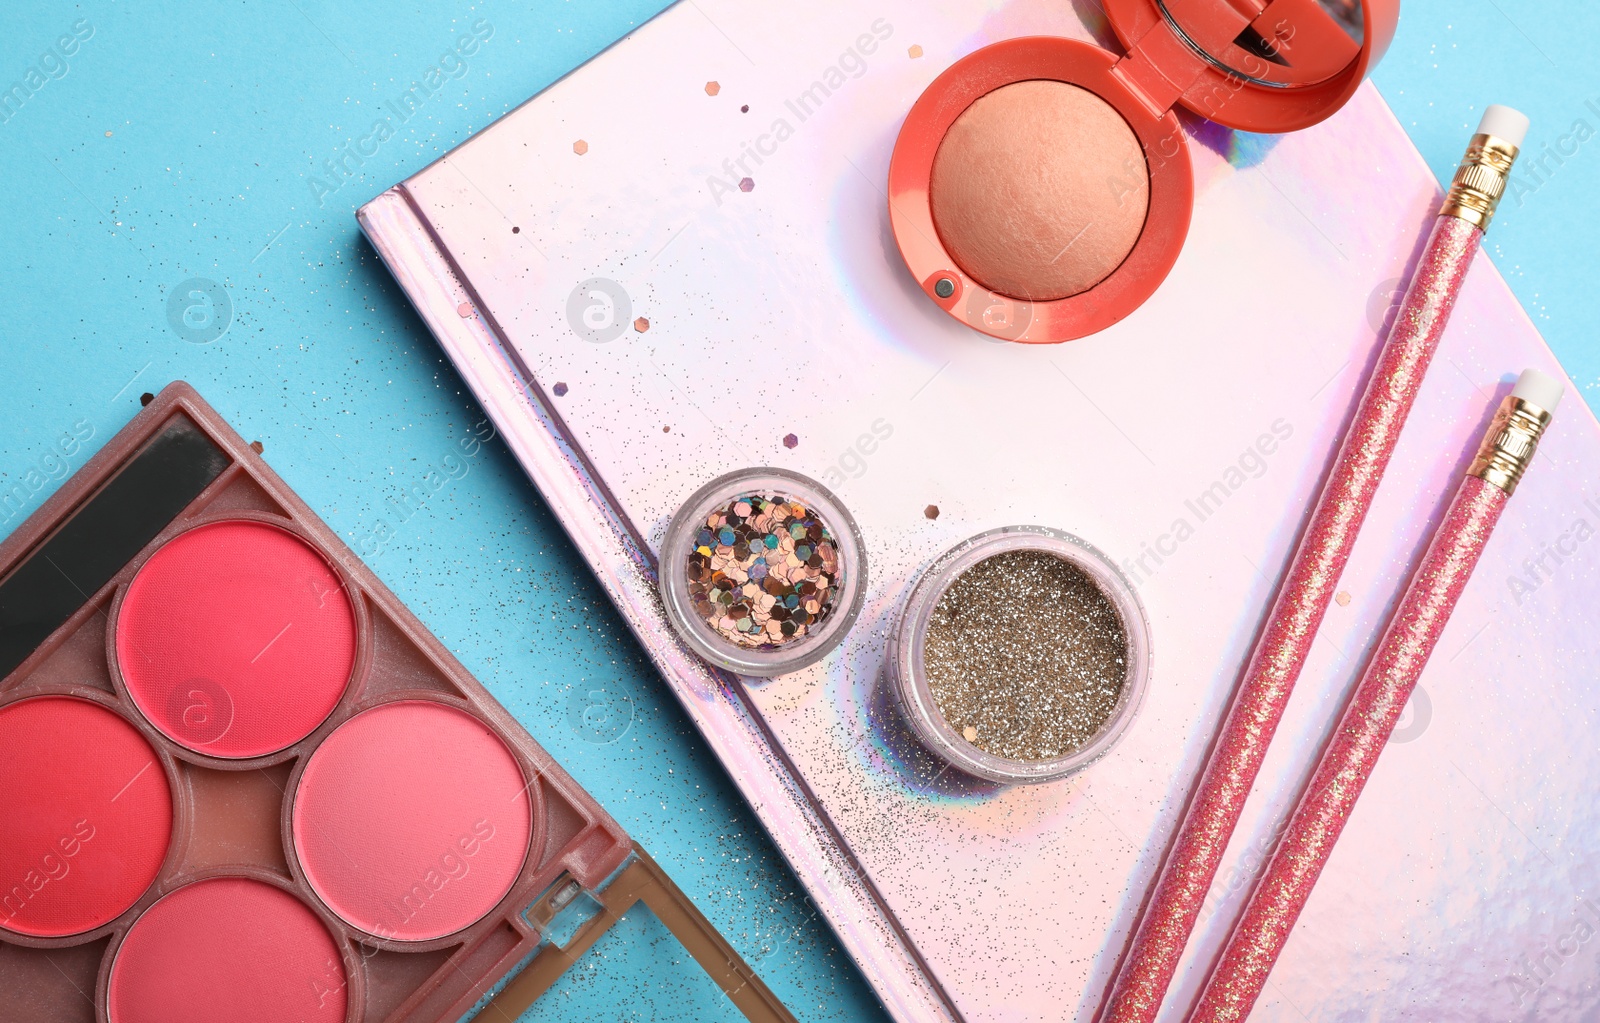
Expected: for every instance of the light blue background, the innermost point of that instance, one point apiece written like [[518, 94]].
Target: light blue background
[[179, 143]]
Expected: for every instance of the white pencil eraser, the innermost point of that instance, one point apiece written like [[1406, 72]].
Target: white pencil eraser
[[1505, 123], [1538, 388]]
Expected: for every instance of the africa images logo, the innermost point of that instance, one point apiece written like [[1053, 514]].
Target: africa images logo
[[346, 162], [852, 64]]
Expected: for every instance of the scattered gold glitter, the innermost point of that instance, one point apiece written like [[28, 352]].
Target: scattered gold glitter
[[1025, 656], [580, 147], [641, 324], [712, 88], [914, 52], [1343, 598]]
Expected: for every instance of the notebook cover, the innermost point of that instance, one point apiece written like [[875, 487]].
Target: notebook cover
[[1187, 441]]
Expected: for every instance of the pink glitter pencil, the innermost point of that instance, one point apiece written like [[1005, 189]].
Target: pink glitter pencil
[[1281, 649], [1282, 890]]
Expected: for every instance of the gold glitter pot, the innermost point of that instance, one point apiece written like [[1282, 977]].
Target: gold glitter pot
[[1021, 655], [762, 572]]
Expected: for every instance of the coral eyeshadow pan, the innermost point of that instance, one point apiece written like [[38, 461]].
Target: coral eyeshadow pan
[[228, 948], [86, 818], [411, 820], [236, 639]]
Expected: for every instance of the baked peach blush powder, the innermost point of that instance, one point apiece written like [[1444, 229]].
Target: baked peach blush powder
[[1039, 190]]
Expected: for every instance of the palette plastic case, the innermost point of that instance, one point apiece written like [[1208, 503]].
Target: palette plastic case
[[1186, 442], [176, 471]]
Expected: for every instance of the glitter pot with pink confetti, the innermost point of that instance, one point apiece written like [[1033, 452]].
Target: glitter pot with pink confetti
[[763, 572]]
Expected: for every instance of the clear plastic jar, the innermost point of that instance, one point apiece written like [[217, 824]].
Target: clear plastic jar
[[908, 676], [757, 653]]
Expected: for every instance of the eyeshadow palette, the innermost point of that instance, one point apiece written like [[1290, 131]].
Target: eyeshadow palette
[[241, 781]]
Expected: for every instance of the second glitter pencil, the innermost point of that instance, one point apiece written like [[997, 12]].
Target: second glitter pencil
[[1313, 573], [1380, 698]]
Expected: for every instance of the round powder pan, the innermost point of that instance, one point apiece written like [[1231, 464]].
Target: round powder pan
[[763, 572], [1048, 212], [236, 639], [236, 945], [1096, 631], [412, 821], [96, 814]]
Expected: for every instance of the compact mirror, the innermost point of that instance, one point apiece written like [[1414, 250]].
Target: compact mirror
[[1283, 43]]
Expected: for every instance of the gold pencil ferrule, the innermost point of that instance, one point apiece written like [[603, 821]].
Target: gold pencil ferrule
[[1480, 180], [1509, 443]]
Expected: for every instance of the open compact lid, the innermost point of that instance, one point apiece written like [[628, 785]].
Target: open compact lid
[[1256, 65]]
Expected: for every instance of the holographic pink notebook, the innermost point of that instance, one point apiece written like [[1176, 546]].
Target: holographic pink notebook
[[648, 285]]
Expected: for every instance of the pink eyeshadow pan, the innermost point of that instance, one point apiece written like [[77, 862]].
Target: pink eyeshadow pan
[[228, 948], [236, 639], [87, 820], [411, 820]]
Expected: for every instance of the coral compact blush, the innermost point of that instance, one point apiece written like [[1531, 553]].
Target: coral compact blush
[[1040, 188]]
